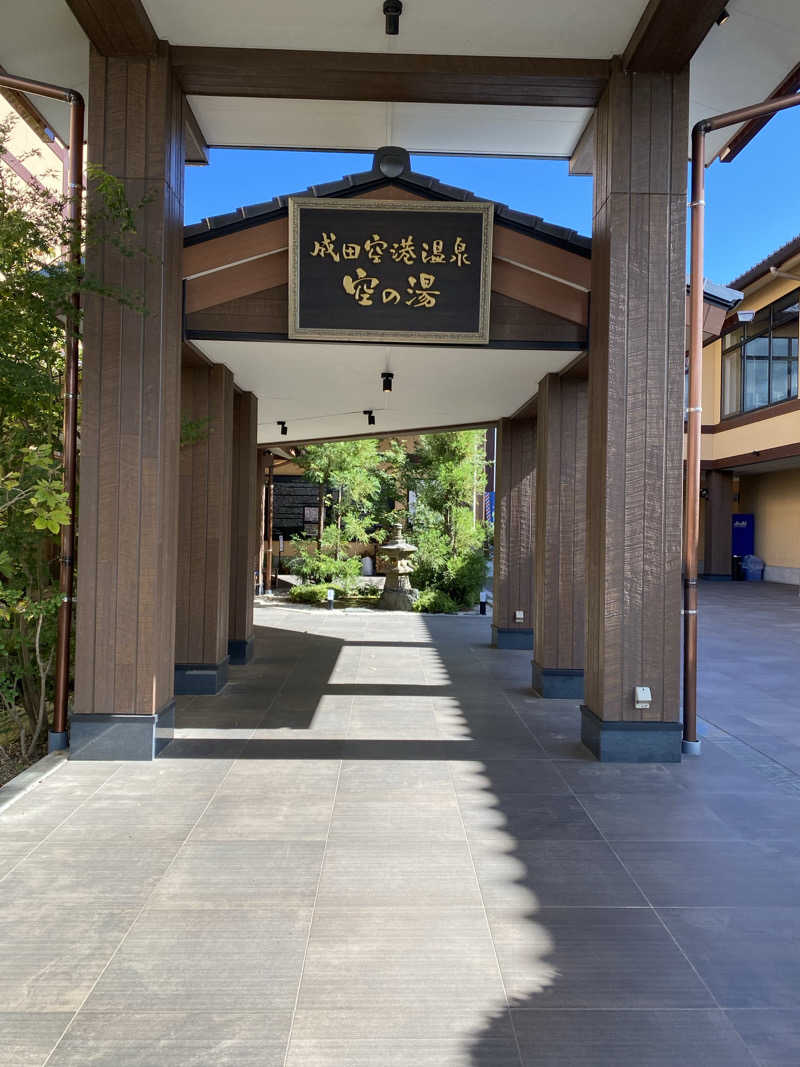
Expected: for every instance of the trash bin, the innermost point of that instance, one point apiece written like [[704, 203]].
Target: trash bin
[[736, 569], [753, 568]]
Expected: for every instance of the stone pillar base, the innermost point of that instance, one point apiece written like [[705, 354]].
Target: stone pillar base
[[398, 599], [195, 679], [558, 683], [241, 652], [631, 742], [519, 638], [121, 737]]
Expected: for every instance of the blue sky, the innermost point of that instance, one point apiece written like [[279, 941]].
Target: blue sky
[[753, 203]]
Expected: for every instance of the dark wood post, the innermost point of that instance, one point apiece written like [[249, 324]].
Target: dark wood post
[[560, 625], [718, 511], [515, 503], [204, 561], [243, 517], [270, 515], [131, 424], [637, 344]]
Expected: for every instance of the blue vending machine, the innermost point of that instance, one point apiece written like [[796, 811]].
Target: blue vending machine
[[743, 538]]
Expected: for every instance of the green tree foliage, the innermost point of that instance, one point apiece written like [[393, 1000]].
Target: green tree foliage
[[36, 283], [445, 472], [357, 488]]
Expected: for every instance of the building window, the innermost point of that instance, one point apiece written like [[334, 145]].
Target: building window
[[759, 359]]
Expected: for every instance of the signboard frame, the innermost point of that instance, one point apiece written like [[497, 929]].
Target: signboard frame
[[482, 208]]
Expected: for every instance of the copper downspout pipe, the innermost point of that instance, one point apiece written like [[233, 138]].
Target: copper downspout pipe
[[691, 525], [57, 737]]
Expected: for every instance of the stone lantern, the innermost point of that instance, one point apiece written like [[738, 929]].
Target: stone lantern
[[397, 593]]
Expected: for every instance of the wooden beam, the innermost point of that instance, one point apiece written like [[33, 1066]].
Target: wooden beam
[[273, 236], [220, 252], [396, 77], [409, 432], [582, 159], [196, 147], [539, 291], [116, 27], [256, 315], [746, 133], [669, 33], [239, 280]]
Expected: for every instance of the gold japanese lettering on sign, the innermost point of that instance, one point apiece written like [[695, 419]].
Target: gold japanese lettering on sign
[[362, 287]]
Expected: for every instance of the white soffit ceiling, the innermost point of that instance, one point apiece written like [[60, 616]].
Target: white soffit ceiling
[[568, 28], [364, 126], [743, 61], [321, 390], [41, 39]]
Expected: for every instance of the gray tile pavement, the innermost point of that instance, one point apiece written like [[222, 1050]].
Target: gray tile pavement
[[375, 846]]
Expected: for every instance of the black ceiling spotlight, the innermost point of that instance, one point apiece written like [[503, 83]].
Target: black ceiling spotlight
[[392, 9], [282, 424], [387, 378], [370, 417], [723, 17]]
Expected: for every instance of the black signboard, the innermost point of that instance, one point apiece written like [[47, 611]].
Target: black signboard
[[387, 270]]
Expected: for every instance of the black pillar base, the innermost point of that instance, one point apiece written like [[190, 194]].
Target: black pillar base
[[241, 652], [197, 679], [716, 578], [558, 683], [519, 637], [121, 737], [631, 742]]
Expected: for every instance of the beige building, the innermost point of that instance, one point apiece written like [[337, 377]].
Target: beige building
[[751, 420], [32, 151]]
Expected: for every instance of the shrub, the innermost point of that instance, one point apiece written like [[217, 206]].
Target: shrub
[[314, 594], [369, 590], [316, 567], [434, 601], [459, 575]]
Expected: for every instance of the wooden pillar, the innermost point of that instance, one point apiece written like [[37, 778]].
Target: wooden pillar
[[515, 491], [246, 503], [204, 532], [718, 511], [262, 470], [130, 425], [637, 343], [559, 629]]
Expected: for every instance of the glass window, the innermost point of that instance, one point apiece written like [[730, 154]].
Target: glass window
[[731, 382], [756, 373], [783, 384], [759, 360]]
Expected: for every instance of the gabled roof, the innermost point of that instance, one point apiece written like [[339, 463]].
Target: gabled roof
[[355, 184], [775, 259]]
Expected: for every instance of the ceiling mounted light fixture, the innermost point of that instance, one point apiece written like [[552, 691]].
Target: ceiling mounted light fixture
[[282, 424], [370, 417], [392, 9], [387, 378], [723, 17]]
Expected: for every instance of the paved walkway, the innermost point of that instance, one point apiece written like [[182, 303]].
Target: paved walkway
[[376, 849]]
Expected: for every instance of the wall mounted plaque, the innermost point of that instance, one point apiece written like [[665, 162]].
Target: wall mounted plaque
[[388, 270]]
